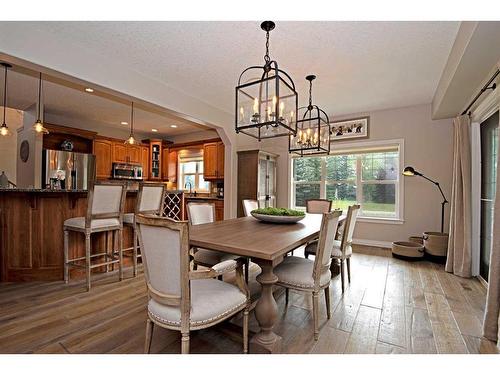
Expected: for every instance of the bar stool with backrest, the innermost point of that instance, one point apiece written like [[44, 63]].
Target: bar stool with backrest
[[342, 250], [312, 276], [249, 205], [105, 205], [202, 213], [149, 202], [180, 299]]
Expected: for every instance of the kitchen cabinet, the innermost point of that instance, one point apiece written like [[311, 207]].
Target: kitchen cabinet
[[213, 161], [103, 151], [164, 163], [145, 162], [134, 154], [172, 166], [219, 205], [123, 153], [155, 159], [256, 178]]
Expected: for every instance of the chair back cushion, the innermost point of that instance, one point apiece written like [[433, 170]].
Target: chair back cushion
[[326, 240], [201, 213], [318, 206], [249, 205], [107, 199], [150, 198], [161, 252]]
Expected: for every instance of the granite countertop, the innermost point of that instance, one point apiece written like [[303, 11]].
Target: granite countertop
[[202, 198], [33, 190]]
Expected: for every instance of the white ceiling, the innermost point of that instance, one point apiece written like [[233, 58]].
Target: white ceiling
[[361, 66], [73, 103]]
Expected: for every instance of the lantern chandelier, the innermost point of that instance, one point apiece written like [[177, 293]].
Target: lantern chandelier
[[313, 129], [266, 100], [131, 139], [38, 125]]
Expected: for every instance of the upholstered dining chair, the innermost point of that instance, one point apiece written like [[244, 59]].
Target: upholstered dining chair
[[105, 204], [202, 213], [180, 299], [149, 201], [342, 249], [312, 276], [249, 205], [317, 206]]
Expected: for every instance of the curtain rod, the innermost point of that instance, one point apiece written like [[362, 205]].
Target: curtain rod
[[485, 87]]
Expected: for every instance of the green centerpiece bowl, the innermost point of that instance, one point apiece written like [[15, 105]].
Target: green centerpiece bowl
[[278, 215]]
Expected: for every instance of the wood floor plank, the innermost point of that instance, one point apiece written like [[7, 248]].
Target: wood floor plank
[[374, 294], [363, 338], [468, 324], [430, 281], [383, 348], [331, 341], [419, 331]]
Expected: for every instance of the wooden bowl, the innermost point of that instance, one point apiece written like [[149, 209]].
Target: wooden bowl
[[278, 219]]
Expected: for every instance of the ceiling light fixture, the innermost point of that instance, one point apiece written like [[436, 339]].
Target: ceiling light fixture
[[313, 129], [38, 125], [173, 126], [154, 130], [124, 123], [266, 100], [4, 129], [89, 89], [131, 140]]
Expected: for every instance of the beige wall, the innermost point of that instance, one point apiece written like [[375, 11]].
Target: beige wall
[[8, 145], [428, 146], [29, 173]]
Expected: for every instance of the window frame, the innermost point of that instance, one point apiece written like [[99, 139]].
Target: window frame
[[359, 147], [196, 174]]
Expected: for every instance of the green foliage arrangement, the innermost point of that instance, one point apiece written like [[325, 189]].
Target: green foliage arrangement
[[278, 212]]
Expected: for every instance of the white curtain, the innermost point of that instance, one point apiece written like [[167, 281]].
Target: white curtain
[[492, 314], [459, 260]]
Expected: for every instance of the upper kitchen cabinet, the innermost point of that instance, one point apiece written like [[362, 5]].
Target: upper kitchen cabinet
[[103, 151], [172, 166], [123, 153], [213, 161], [158, 159], [145, 161]]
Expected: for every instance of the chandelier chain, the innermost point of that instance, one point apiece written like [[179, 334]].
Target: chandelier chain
[[267, 59], [4, 95], [310, 93]]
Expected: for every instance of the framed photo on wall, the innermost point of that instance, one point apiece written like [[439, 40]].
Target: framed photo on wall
[[350, 129]]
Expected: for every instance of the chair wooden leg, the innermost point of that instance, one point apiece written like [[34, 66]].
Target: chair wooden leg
[[315, 315], [287, 295], [348, 260], [327, 301], [135, 252], [87, 259], [306, 254], [195, 266], [245, 331], [342, 273], [120, 254], [66, 251], [149, 336], [185, 343]]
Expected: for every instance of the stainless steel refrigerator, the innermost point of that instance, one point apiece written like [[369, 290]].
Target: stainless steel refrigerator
[[67, 170]]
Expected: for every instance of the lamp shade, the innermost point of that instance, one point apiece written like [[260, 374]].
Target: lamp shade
[[410, 171]]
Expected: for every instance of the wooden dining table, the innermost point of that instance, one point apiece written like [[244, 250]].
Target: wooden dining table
[[266, 244]]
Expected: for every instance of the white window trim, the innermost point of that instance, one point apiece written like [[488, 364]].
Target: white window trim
[[359, 146], [196, 174]]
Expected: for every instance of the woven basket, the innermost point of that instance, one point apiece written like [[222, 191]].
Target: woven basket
[[436, 243], [417, 239], [407, 249]]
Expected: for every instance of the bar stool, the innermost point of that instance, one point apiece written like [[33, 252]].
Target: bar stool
[[149, 202], [105, 206]]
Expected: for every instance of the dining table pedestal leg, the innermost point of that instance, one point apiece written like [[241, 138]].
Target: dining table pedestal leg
[[266, 312]]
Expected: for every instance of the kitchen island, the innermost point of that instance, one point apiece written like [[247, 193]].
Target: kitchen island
[[31, 231]]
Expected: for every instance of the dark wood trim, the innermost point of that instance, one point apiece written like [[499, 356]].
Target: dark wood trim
[[87, 134], [194, 143]]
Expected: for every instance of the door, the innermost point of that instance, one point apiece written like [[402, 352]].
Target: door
[[489, 151], [271, 182], [262, 182], [210, 161], [120, 154], [103, 155], [134, 154]]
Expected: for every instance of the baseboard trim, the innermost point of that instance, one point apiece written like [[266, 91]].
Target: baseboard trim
[[383, 244], [483, 282]]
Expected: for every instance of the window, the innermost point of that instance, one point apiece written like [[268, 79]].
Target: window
[[191, 171], [368, 176]]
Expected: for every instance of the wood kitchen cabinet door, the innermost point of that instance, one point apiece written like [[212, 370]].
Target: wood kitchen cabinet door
[[164, 164], [145, 162], [134, 154], [172, 166], [210, 161], [220, 160], [103, 151], [120, 153]]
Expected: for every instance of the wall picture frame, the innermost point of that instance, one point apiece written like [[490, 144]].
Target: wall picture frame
[[350, 129]]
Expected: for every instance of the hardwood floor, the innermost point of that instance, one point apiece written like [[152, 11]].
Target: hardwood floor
[[390, 307]]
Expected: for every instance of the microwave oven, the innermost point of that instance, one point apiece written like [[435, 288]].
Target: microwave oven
[[125, 171]]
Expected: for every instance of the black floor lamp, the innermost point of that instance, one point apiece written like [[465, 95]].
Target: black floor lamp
[[410, 171]]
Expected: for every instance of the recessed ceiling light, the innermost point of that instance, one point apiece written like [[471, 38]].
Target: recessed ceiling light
[[89, 89], [154, 130], [173, 126], [124, 123]]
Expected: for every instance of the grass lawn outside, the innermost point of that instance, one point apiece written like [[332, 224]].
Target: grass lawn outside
[[369, 209]]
